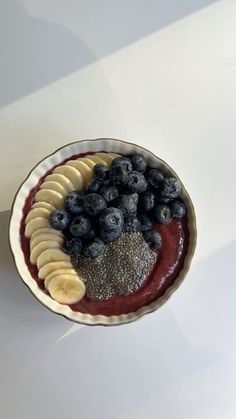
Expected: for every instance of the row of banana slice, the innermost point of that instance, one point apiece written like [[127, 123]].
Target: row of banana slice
[[54, 266]]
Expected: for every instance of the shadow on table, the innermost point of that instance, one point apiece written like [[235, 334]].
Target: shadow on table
[[21, 315], [36, 52], [162, 349]]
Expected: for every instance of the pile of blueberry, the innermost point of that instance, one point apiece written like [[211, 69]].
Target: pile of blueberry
[[128, 197]]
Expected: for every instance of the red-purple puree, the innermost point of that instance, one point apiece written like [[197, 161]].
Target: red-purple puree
[[170, 260]]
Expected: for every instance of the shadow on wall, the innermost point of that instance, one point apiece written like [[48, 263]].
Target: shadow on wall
[[36, 52]]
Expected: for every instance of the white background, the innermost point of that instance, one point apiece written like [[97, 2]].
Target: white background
[[162, 74]]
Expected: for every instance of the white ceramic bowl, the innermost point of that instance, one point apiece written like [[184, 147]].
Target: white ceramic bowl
[[86, 146]]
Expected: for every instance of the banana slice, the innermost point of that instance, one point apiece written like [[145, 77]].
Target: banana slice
[[41, 237], [41, 247], [37, 212], [54, 198], [43, 204], [96, 159], [66, 289], [86, 160], [71, 173], [68, 271], [52, 266], [63, 180], [52, 255], [54, 186], [83, 168], [115, 155], [62, 271], [47, 230], [35, 224], [106, 157]]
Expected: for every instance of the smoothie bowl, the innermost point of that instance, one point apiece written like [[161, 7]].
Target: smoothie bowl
[[102, 232]]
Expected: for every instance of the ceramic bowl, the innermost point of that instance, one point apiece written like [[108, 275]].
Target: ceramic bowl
[[88, 146]]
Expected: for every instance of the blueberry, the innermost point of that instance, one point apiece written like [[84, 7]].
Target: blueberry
[[125, 191], [72, 246], [74, 202], [132, 224], [137, 182], [126, 204], [110, 236], [94, 185], [109, 193], [80, 226], [135, 197], [59, 219], [124, 162], [90, 235], [94, 248], [163, 200], [94, 204], [178, 209], [101, 172], [118, 175], [145, 222], [139, 163], [153, 239], [146, 201], [171, 187], [155, 177], [111, 219], [162, 214]]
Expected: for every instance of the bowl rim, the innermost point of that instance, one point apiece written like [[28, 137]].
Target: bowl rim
[[114, 320]]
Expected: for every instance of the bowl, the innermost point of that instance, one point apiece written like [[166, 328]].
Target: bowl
[[44, 166]]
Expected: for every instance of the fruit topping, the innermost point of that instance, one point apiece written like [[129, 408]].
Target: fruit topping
[[118, 175], [94, 248], [109, 193], [101, 172], [145, 222], [66, 289], [153, 238], [94, 204], [124, 162], [178, 209], [125, 195], [162, 214], [146, 201], [139, 163], [94, 185], [80, 226], [111, 219], [59, 219], [110, 235], [72, 246], [74, 202], [132, 224], [137, 182], [155, 177], [126, 204], [171, 187]]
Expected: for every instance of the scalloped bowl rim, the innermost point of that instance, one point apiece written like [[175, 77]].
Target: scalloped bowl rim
[[62, 153]]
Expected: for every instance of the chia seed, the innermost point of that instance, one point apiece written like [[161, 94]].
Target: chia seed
[[121, 270]]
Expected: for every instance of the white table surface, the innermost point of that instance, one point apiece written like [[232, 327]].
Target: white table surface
[[162, 75]]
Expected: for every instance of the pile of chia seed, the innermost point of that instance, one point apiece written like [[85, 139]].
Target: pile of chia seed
[[121, 270]]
